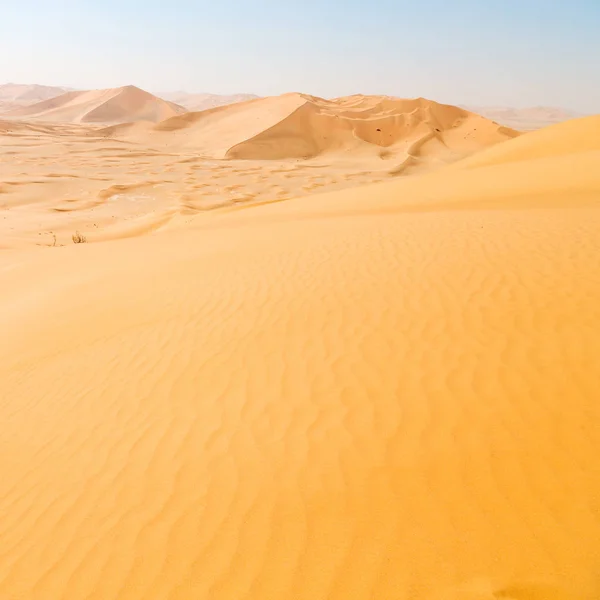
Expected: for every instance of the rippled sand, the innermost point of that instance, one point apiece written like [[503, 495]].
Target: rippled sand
[[385, 392]]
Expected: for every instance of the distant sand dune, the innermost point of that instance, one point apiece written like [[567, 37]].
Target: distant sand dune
[[301, 127], [116, 105], [24, 94], [389, 392], [198, 102]]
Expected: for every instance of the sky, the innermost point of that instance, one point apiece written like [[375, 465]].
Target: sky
[[479, 53]]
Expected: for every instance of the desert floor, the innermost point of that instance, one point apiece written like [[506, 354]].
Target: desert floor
[[59, 179]]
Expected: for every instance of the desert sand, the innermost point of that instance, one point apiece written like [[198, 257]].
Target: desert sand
[[114, 105], [126, 179], [388, 391], [23, 94], [17, 95]]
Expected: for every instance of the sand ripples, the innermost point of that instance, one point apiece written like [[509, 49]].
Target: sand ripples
[[388, 407]]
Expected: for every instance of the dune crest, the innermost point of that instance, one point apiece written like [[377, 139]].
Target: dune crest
[[387, 392], [19, 94], [115, 105], [412, 133]]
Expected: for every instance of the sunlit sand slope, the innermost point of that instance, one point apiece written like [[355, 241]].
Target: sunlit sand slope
[[20, 94], [383, 393], [574, 137]]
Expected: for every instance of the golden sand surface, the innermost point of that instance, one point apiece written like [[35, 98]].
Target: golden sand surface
[[384, 392]]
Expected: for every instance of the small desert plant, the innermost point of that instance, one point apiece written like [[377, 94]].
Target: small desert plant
[[78, 238]]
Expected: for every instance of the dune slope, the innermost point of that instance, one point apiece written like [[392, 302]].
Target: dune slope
[[574, 137], [388, 392], [116, 105], [409, 133]]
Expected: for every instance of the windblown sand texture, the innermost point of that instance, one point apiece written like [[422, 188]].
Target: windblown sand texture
[[127, 179], [386, 392], [115, 105]]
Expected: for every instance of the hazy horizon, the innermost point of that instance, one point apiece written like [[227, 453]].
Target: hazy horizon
[[167, 95], [465, 54]]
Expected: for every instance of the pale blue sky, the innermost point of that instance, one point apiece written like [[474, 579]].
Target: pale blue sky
[[495, 52]]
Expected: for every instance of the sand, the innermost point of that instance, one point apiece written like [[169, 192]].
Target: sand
[[22, 94], [16, 95], [409, 132], [389, 391], [115, 105], [139, 177]]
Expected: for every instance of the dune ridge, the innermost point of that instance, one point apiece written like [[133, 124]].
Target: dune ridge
[[115, 105], [301, 126], [384, 392], [24, 94]]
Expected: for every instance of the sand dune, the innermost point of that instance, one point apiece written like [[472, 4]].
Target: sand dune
[[6, 106], [410, 133], [198, 102], [117, 105], [17, 94], [386, 392], [577, 136]]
